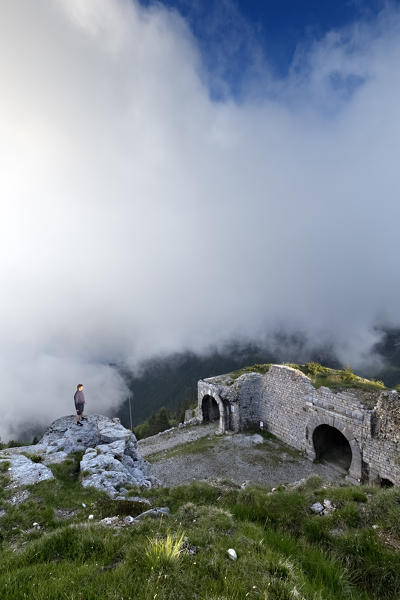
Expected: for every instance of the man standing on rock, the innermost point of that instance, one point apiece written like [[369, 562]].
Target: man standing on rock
[[79, 398]]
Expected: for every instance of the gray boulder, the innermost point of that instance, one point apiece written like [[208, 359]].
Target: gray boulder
[[111, 431], [110, 467], [317, 508], [23, 471]]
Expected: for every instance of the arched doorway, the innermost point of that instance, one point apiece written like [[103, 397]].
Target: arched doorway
[[386, 483], [210, 409], [331, 446]]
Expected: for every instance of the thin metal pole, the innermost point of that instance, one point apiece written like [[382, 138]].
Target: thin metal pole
[[130, 410]]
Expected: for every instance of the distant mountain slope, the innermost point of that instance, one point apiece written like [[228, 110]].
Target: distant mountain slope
[[172, 381]]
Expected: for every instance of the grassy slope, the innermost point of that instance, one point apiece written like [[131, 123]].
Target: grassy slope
[[284, 551], [321, 376]]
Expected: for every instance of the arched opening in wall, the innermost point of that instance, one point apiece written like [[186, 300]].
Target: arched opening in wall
[[332, 447], [210, 409], [386, 483], [227, 414]]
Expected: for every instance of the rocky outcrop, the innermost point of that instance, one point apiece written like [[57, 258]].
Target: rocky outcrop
[[110, 467], [22, 470], [110, 461]]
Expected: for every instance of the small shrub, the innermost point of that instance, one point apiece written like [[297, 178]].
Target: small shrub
[[36, 458], [350, 515], [348, 375], [314, 369], [214, 518], [4, 466], [188, 512], [163, 552]]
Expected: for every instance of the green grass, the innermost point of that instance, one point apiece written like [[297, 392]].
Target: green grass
[[163, 552], [254, 455], [4, 465], [259, 368], [198, 446], [284, 551], [339, 379]]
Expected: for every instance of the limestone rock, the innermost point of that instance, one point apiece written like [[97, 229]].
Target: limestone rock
[[19, 497], [118, 521], [256, 439], [110, 461], [113, 465], [24, 471], [153, 512], [328, 507], [110, 431], [232, 554], [110, 521], [317, 508]]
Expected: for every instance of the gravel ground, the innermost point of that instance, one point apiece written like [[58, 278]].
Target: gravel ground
[[235, 457], [173, 437]]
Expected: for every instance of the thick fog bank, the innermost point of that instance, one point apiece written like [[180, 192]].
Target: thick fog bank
[[141, 217]]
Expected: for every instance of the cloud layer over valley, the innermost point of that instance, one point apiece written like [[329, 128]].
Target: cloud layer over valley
[[140, 216]]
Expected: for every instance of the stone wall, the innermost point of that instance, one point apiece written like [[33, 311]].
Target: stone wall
[[289, 406]]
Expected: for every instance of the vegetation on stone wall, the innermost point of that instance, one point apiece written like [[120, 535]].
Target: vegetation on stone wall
[[337, 378], [259, 368], [320, 376]]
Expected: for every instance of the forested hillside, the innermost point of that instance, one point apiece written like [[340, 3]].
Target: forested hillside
[[171, 382]]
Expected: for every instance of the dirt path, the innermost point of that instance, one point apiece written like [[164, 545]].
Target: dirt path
[[181, 456]]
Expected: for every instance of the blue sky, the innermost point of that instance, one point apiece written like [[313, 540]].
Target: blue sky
[[239, 32]]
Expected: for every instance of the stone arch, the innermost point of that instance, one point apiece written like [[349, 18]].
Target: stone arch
[[213, 409], [332, 446], [227, 415], [386, 483], [355, 468], [209, 408]]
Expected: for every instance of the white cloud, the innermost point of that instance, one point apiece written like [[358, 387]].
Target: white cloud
[[139, 216]]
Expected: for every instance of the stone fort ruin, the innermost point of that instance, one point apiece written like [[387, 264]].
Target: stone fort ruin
[[357, 430]]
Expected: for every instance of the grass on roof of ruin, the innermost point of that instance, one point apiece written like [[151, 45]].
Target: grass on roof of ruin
[[337, 378], [320, 376], [284, 551], [258, 368]]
